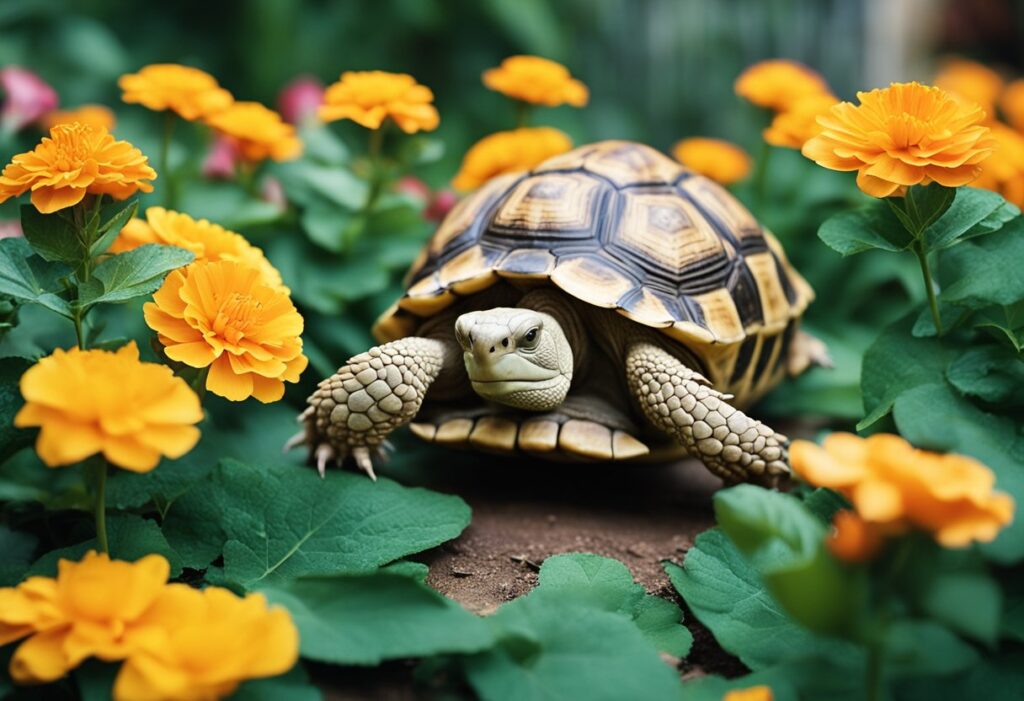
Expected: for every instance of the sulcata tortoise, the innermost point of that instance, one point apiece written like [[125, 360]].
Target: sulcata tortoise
[[609, 305]]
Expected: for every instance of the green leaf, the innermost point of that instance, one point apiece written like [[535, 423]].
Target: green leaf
[[552, 652], [785, 543], [995, 676], [134, 273], [993, 374], [12, 439], [293, 685], [17, 548], [112, 224], [283, 521], [726, 594], [924, 648], [420, 150], [968, 602], [974, 212], [28, 279], [986, 271], [871, 226], [331, 227], [921, 206], [606, 584], [130, 538], [365, 619], [52, 236]]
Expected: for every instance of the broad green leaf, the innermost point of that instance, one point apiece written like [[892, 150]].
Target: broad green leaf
[[726, 594], [322, 145], [994, 676], [114, 219], [337, 185], [1004, 323], [993, 374], [785, 543], [283, 521], [293, 686], [28, 279], [17, 548], [134, 273], [12, 439], [332, 227], [921, 206], [809, 679], [606, 584], [365, 619], [969, 602], [871, 226], [130, 538], [52, 236], [974, 212], [984, 271], [552, 652], [420, 150], [916, 648]]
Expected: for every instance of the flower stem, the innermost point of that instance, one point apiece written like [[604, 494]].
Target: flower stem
[[761, 176], [373, 150], [522, 114], [77, 320], [100, 504], [165, 159], [922, 258]]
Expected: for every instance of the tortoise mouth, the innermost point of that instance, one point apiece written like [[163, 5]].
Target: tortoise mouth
[[533, 395]]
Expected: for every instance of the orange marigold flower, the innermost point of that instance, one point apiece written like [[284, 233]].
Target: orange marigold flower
[[76, 160], [96, 116], [208, 241], [971, 81], [1012, 104], [508, 152], [1003, 171], [370, 97], [93, 608], [211, 641], [717, 159], [894, 486], [190, 92], [779, 83], [853, 539], [903, 135], [795, 126], [224, 316], [536, 80], [258, 132], [761, 692], [97, 401]]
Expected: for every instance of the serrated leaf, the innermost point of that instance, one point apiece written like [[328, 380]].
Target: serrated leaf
[[28, 279], [726, 594], [365, 619], [52, 236], [134, 273], [283, 521]]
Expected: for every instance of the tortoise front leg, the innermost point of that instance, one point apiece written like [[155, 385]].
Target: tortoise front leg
[[354, 410], [681, 402]]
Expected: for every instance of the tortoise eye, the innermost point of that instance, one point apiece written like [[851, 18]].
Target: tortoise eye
[[531, 335]]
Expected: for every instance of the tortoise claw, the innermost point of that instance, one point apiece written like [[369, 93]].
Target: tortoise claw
[[294, 442], [364, 461], [324, 452]]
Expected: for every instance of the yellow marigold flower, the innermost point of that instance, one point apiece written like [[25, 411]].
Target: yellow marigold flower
[[370, 97], [895, 486], [224, 316], [94, 608], [76, 160], [508, 152], [778, 83], [1003, 171], [853, 539], [96, 116], [190, 92], [536, 80], [753, 693], [1012, 104], [906, 134], [971, 81], [212, 640], [208, 241], [97, 401], [258, 132], [795, 126], [719, 160]]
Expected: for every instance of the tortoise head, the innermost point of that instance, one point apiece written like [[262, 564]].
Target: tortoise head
[[517, 357]]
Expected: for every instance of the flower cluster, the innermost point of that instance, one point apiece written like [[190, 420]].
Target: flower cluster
[[894, 487], [509, 152], [536, 80], [370, 97], [95, 401], [175, 641], [795, 94], [75, 160], [223, 315], [722, 161], [903, 135]]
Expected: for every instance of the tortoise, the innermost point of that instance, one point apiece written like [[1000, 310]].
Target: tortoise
[[608, 305]]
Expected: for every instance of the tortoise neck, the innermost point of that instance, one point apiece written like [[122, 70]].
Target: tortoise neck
[[557, 305]]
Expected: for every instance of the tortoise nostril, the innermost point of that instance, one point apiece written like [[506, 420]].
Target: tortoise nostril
[[492, 349], [504, 342]]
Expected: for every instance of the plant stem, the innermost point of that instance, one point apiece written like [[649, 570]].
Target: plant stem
[[77, 319], [522, 114], [373, 150], [761, 176], [165, 158], [922, 258], [100, 504]]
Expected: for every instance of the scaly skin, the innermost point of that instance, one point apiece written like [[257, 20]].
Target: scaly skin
[[682, 403], [354, 410]]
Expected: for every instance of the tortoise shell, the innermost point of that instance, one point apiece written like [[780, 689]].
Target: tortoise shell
[[619, 225]]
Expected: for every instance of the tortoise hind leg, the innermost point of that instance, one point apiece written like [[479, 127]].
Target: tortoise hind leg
[[680, 401], [806, 351]]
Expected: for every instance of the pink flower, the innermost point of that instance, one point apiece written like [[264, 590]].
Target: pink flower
[[439, 206], [27, 98], [272, 191], [10, 229], [436, 205], [222, 160], [299, 100]]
